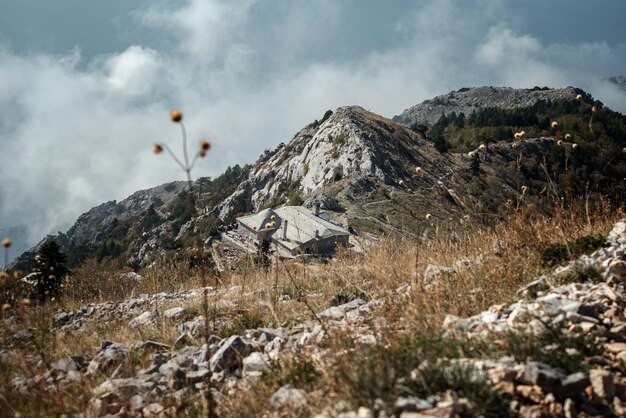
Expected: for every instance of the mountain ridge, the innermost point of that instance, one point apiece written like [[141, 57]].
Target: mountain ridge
[[466, 100], [367, 171]]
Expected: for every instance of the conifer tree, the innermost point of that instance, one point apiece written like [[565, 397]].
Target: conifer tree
[[51, 269]]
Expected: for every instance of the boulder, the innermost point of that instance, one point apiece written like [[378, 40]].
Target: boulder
[[602, 383], [434, 272], [150, 345], [109, 356], [289, 398], [175, 313], [23, 335], [254, 363], [542, 375], [60, 319], [573, 385], [145, 319], [230, 355]]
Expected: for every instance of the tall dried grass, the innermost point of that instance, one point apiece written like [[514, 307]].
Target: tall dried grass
[[505, 256]]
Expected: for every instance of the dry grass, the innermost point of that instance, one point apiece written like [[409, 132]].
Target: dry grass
[[288, 292]]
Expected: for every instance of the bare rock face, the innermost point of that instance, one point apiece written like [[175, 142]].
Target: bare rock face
[[89, 225], [351, 143], [358, 163], [93, 225], [467, 100]]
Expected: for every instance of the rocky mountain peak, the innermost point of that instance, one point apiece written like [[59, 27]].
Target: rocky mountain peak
[[350, 143], [467, 100]]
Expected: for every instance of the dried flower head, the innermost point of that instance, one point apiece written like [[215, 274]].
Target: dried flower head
[[202, 153], [579, 97], [418, 170], [624, 150], [157, 149], [594, 109], [6, 307], [268, 225], [17, 275], [482, 146], [559, 142], [6, 243], [4, 275], [524, 189], [439, 183], [401, 182], [25, 302], [254, 228], [428, 216], [517, 135], [554, 124], [568, 136], [37, 257], [205, 145], [574, 146], [176, 115], [273, 217], [515, 145]]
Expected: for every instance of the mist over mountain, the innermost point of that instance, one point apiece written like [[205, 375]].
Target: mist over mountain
[[444, 160], [619, 81]]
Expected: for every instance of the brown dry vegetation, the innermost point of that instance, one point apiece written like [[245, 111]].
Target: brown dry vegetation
[[287, 293]]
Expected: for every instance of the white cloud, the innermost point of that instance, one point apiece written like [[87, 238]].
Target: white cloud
[[79, 135], [134, 71], [503, 46]]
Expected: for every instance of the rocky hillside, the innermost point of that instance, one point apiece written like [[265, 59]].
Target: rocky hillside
[[559, 350], [374, 174], [468, 100], [377, 174], [362, 166], [91, 228]]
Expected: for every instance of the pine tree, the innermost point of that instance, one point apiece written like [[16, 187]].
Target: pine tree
[[51, 269], [263, 253]]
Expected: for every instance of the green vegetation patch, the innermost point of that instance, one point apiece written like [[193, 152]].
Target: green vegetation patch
[[558, 253]]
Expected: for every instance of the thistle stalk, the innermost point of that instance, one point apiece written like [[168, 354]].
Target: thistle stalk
[[176, 116]]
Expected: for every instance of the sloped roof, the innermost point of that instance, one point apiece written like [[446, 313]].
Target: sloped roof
[[301, 225], [258, 221]]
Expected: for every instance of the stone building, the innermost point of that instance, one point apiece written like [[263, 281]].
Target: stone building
[[294, 230]]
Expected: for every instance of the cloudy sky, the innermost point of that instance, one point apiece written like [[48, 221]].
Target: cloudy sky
[[85, 87]]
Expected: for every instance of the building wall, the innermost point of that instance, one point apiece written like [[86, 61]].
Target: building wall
[[255, 235], [325, 245], [247, 232]]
